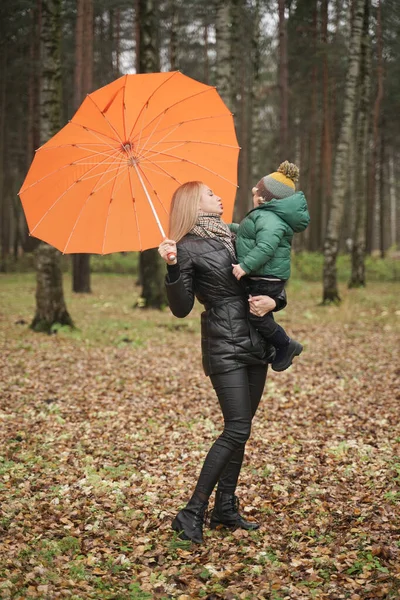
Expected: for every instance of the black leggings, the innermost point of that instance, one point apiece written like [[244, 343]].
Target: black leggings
[[239, 393]]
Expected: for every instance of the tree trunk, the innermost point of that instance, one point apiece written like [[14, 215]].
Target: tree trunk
[[382, 200], [375, 144], [357, 278], [326, 139], [283, 81], [393, 203], [206, 44], [330, 291], [83, 86], [173, 40], [256, 100], [223, 49], [240, 100], [30, 243], [312, 232], [50, 304], [152, 267], [4, 198], [118, 43]]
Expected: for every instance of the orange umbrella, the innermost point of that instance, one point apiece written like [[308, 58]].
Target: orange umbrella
[[104, 182]]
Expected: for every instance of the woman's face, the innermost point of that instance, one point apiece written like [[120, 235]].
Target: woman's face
[[209, 202], [257, 200]]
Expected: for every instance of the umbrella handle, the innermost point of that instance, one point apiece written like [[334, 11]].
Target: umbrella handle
[[171, 256]]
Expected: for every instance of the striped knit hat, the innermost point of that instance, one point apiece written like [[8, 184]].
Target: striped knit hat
[[280, 184]]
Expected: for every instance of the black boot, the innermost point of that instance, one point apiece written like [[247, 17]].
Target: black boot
[[225, 513], [189, 521], [284, 356]]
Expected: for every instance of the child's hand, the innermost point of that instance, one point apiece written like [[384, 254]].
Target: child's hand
[[238, 271]]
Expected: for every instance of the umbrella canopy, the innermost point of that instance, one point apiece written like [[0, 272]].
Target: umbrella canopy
[[104, 182]]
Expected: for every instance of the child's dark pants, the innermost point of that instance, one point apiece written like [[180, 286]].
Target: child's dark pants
[[266, 325]]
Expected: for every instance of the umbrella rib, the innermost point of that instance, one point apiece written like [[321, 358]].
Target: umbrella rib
[[109, 122], [158, 197], [162, 139], [149, 98], [134, 207], [193, 120], [93, 191], [198, 142], [98, 174], [156, 153], [77, 162], [153, 171], [124, 108], [166, 172], [154, 128], [58, 199], [210, 89], [200, 166], [113, 177], [141, 130], [109, 210], [92, 153], [94, 131]]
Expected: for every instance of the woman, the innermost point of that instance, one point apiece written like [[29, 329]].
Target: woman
[[234, 355]]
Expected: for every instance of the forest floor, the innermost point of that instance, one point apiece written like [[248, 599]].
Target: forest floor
[[104, 429]]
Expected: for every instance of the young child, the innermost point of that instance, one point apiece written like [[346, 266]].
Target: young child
[[263, 247]]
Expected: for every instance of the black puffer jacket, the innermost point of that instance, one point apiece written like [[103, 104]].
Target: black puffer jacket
[[228, 341]]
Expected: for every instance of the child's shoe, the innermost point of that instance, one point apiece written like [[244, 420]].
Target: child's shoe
[[284, 356]]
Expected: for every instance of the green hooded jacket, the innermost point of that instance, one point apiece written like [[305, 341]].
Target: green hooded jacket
[[264, 237]]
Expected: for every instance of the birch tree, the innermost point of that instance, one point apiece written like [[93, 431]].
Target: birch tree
[[283, 81], [330, 288], [223, 49], [357, 278]]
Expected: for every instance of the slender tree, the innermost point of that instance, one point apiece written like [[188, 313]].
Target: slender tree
[[223, 50], [283, 81], [83, 85], [326, 138], [50, 304], [4, 201], [357, 278], [376, 135], [330, 289], [313, 200], [152, 267], [382, 198]]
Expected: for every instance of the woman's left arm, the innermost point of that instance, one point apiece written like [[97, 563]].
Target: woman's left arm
[[261, 305]]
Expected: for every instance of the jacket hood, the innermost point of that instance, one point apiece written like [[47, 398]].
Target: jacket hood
[[293, 210]]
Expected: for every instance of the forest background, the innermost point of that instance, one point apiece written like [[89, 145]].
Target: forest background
[[104, 425], [281, 67]]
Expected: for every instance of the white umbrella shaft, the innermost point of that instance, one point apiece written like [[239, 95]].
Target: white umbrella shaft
[[171, 256]]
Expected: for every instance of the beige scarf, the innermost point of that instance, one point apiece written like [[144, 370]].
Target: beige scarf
[[210, 225]]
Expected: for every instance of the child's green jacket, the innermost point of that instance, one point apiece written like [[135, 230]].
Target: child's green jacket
[[264, 237]]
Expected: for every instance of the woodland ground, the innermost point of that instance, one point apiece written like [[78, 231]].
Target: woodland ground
[[103, 430]]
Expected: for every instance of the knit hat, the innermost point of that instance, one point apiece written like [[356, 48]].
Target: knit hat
[[280, 184]]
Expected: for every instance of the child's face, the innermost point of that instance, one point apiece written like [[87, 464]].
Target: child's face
[[257, 200]]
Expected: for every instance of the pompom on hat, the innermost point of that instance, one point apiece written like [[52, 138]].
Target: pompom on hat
[[280, 184]]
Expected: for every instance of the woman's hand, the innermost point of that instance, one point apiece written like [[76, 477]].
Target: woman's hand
[[261, 305], [238, 271], [166, 250]]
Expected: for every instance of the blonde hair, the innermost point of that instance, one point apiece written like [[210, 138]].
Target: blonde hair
[[184, 209]]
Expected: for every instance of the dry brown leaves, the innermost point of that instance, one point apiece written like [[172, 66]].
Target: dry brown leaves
[[102, 440]]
